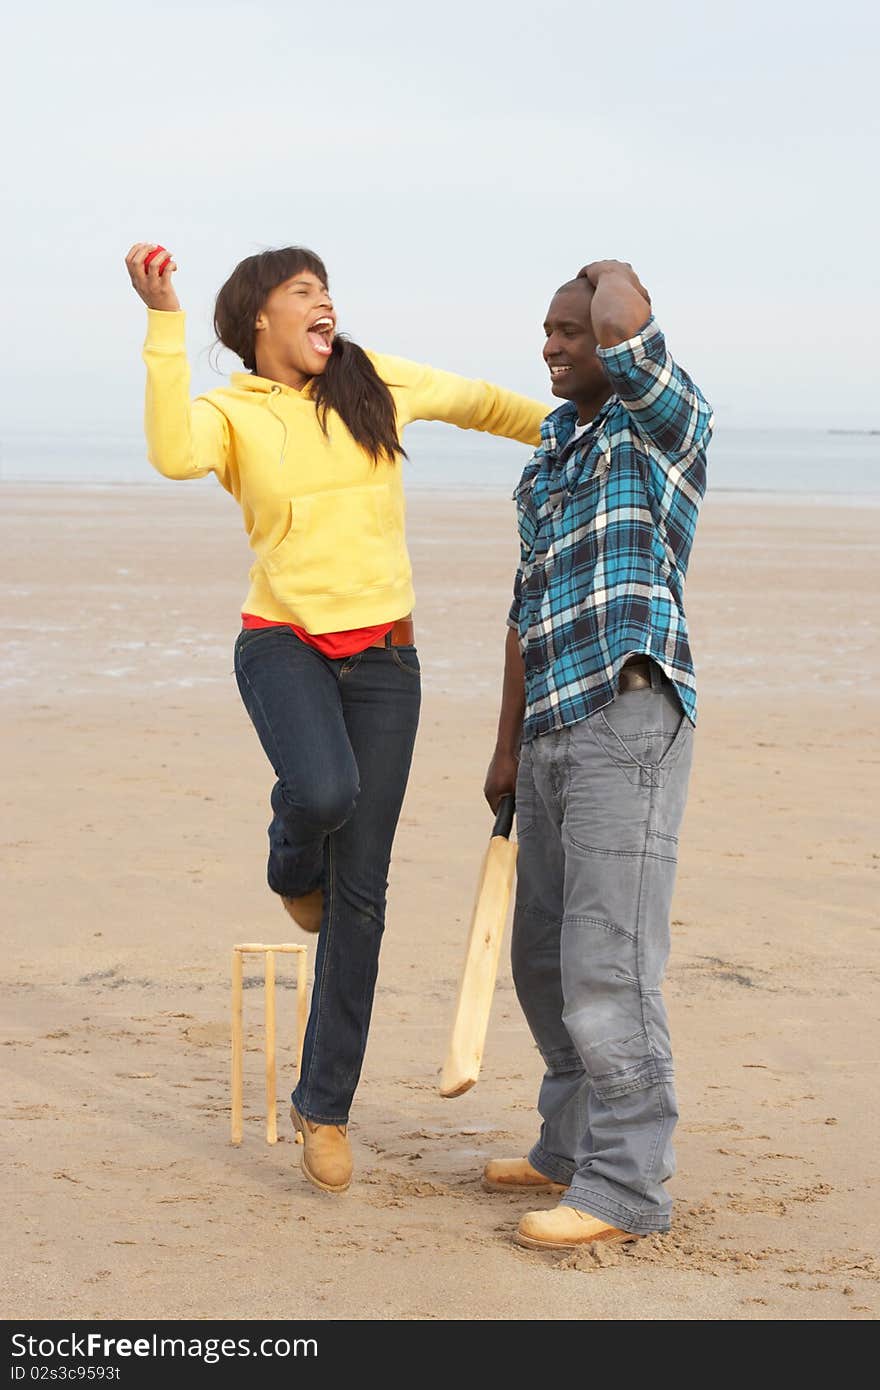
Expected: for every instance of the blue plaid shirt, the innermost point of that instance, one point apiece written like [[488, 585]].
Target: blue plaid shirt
[[606, 524]]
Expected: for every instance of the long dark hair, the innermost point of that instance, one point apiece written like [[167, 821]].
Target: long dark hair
[[349, 384]]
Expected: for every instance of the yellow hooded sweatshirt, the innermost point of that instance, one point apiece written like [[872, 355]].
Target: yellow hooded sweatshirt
[[325, 523]]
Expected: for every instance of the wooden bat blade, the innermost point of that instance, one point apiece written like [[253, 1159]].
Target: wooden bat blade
[[464, 1054]]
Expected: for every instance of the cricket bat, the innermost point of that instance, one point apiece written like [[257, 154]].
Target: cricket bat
[[465, 1051]]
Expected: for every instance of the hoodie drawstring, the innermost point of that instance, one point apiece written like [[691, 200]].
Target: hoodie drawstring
[[276, 390]]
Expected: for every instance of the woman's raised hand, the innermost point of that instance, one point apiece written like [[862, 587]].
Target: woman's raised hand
[[151, 275]]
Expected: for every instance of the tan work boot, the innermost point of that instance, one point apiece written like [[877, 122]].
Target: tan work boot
[[517, 1175], [563, 1228], [308, 910], [326, 1160]]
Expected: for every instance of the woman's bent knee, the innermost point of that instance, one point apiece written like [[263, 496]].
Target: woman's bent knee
[[322, 808]]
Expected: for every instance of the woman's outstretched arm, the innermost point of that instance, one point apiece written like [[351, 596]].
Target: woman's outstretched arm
[[184, 439], [425, 393]]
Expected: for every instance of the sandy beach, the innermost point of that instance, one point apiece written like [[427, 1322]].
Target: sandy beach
[[135, 801]]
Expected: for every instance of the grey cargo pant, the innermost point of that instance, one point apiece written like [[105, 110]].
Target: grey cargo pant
[[598, 810]]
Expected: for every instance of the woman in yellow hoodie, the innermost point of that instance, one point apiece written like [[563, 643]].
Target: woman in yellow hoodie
[[307, 441]]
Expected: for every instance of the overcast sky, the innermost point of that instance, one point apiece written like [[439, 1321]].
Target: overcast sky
[[452, 164]]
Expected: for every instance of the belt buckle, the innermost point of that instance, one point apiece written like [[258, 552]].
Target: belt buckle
[[635, 675]]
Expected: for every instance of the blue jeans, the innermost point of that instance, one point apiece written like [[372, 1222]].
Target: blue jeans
[[598, 808], [340, 735]]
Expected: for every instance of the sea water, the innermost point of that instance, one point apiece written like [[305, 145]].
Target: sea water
[[778, 460]]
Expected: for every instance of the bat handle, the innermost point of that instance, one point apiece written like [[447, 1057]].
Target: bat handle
[[504, 816]]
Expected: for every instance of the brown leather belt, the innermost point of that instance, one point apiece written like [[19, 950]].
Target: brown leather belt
[[635, 675], [401, 635]]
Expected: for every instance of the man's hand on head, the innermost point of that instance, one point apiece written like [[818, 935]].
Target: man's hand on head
[[596, 269], [621, 306]]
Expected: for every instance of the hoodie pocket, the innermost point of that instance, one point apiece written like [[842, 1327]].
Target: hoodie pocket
[[340, 542]]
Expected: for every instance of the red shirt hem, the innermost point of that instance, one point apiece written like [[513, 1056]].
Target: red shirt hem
[[332, 644]]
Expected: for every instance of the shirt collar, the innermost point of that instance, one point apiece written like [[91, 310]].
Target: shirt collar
[[558, 428]]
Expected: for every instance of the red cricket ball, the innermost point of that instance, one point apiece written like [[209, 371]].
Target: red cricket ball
[[157, 251]]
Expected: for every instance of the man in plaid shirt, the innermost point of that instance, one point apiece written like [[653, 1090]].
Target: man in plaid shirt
[[597, 716]]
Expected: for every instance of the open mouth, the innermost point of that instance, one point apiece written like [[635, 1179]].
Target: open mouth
[[559, 370], [320, 335]]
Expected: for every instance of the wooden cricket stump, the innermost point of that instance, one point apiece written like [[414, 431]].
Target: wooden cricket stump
[[268, 952]]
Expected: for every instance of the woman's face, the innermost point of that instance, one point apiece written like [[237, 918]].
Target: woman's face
[[295, 326]]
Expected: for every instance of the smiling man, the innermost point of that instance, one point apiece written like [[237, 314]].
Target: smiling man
[[597, 716]]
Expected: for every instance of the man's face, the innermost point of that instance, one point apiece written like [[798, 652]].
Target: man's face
[[570, 350]]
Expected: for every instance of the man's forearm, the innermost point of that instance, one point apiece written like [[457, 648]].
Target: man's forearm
[[513, 697], [621, 306]]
